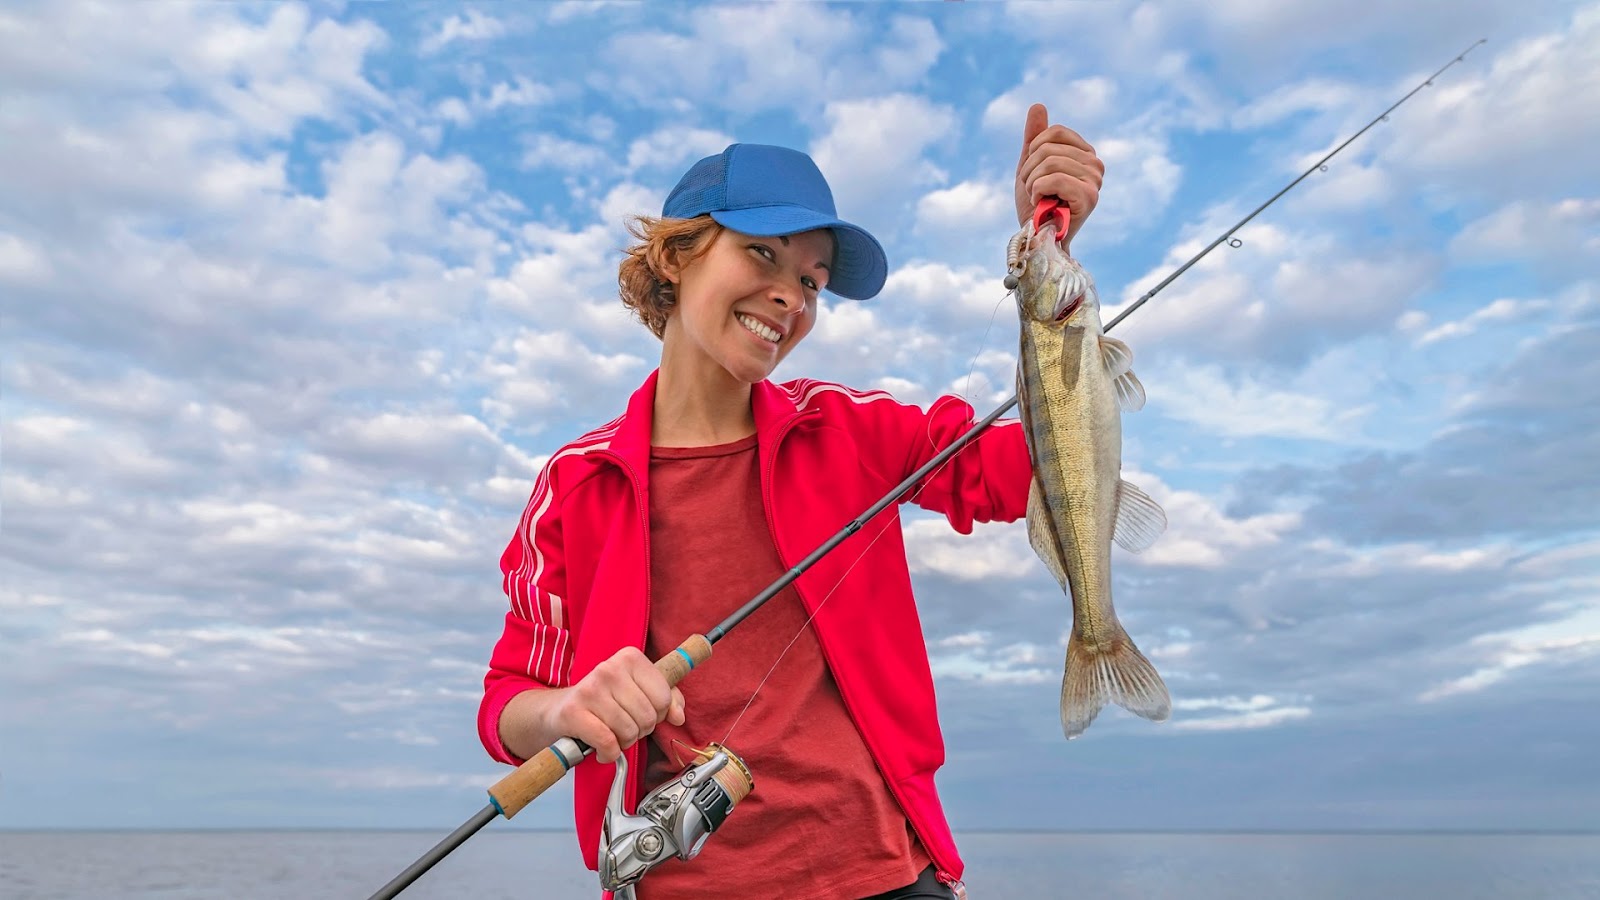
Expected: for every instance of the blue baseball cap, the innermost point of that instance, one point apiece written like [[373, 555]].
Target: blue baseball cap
[[769, 191]]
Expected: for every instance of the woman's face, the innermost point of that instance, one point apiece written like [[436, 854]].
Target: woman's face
[[749, 300]]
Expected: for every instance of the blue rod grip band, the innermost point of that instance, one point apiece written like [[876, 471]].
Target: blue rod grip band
[[565, 764]]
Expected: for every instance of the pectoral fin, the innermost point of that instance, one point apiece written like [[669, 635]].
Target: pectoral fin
[[1042, 536], [1118, 356], [1118, 359], [1140, 519]]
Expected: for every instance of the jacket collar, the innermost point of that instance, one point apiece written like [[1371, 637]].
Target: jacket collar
[[773, 408]]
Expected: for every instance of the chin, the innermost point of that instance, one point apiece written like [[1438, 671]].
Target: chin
[[751, 372]]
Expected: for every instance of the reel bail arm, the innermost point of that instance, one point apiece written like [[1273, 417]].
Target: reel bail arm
[[674, 820]]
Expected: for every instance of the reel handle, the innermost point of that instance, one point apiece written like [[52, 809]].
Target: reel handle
[[525, 783]]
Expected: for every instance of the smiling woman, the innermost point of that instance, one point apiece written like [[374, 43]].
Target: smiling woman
[[711, 485]]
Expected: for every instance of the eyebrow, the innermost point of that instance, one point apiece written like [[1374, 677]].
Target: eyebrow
[[822, 266]]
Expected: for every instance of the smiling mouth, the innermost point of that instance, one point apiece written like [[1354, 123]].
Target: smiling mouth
[[758, 329]]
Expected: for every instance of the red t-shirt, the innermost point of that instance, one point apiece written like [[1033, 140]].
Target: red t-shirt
[[820, 820]]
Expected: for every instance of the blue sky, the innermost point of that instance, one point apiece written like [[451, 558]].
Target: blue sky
[[298, 298]]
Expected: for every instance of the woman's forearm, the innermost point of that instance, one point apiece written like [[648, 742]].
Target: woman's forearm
[[525, 722]]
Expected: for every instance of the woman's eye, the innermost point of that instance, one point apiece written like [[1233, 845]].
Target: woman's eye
[[764, 251], [810, 283]]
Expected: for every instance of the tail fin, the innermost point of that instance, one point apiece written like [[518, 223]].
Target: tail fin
[[1113, 673]]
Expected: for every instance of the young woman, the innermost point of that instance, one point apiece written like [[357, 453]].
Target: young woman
[[711, 484]]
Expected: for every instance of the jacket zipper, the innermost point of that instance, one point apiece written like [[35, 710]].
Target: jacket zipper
[[635, 763], [943, 875]]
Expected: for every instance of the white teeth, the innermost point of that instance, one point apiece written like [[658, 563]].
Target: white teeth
[[758, 329]]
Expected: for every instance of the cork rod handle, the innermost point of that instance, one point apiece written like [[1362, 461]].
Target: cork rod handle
[[522, 785]]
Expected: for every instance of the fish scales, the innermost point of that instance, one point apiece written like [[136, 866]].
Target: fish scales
[[1073, 382]]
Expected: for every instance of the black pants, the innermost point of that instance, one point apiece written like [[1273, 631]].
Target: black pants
[[926, 887]]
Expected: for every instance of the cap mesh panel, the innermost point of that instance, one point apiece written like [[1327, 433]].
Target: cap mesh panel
[[702, 188]]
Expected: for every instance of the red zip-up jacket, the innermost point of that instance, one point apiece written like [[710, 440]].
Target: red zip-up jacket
[[577, 572]]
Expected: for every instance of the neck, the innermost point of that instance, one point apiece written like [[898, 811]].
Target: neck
[[698, 404]]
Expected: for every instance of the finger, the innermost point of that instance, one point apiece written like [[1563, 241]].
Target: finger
[[592, 730], [1060, 158], [1080, 196], [675, 714], [619, 719], [1064, 167], [653, 685], [1057, 134], [1081, 199], [640, 711], [1037, 122]]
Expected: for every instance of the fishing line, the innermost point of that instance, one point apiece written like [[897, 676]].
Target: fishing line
[[960, 443], [890, 520], [1319, 165], [967, 391], [530, 780]]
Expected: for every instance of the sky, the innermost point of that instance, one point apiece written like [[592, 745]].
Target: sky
[[298, 298]]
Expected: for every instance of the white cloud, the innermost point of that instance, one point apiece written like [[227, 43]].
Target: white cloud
[[968, 206], [1514, 119], [1258, 711], [872, 151], [908, 51], [742, 58], [22, 261], [566, 10], [287, 372], [1285, 296], [975, 656], [1560, 236], [271, 77], [535, 372], [992, 550], [1501, 310], [1316, 95], [1367, 562], [473, 26], [1241, 406], [1199, 534], [550, 151], [1565, 640], [1091, 101], [1141, 179], [675, 147]]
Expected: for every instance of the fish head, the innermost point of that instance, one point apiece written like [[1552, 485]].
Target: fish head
[[1053, 289]]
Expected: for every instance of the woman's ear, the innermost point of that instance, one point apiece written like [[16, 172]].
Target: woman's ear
[[671, 269]]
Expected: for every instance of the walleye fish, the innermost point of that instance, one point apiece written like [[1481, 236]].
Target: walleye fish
[[1072, 383]]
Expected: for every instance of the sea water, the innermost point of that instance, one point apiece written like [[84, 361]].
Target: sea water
[[531, 865]]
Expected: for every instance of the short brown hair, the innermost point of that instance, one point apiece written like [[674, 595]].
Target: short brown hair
[[663, 243]]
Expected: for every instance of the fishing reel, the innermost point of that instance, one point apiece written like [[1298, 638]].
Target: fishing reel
[[674, 820]]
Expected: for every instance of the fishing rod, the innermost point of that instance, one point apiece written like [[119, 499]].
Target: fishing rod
[[511, 794]]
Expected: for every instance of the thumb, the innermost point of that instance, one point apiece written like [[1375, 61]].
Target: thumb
[[1038, 120]]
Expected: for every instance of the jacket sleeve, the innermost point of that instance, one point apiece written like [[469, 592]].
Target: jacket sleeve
[[535, 649], [985, 481]]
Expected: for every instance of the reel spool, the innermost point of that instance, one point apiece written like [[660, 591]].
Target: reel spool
[[674, 820]]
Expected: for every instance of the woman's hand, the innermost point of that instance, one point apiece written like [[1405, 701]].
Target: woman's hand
[[1056, 161], [618, 703]]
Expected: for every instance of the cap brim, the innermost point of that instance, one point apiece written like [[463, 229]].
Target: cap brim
[[860, 266]]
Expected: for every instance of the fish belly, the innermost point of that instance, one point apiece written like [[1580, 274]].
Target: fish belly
[[1074, 430], [1075, 435]]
